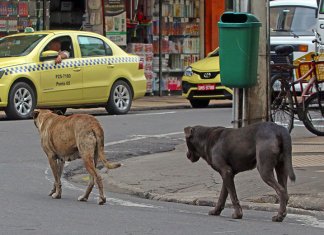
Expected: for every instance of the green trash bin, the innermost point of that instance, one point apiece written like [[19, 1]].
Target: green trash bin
[[238, 49]]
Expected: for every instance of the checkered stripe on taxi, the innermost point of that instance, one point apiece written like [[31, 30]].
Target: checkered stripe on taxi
[[68, 63]]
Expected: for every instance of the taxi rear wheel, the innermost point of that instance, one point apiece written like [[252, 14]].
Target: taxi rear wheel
[[21, 101], [199, 103], [120, 98]]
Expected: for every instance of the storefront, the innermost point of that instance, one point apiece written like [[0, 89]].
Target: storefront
[[180, 37], [188, 29], [188, 33], [15, 16], [66, 14]]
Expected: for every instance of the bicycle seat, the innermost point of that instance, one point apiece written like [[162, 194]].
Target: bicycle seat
[[284, 50]]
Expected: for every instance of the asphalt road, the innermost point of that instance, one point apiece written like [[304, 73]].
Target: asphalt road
[[25, 180]]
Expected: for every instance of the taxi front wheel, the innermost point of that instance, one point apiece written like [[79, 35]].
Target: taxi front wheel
[[21, 101], [120, 98]]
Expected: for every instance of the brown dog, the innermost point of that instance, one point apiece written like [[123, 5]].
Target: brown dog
[[68, 138], [229, 151]]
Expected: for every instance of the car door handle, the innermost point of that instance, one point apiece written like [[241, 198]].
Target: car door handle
[[110, 66], [76, 69]]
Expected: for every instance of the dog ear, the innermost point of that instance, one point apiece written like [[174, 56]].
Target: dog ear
[[35, 113], [188, 131]]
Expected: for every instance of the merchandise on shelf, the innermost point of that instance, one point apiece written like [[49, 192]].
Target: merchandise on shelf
[[145, 52], [180, 41], [15, 16]]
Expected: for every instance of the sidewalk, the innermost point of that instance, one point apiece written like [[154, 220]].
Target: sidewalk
[[170, 176]]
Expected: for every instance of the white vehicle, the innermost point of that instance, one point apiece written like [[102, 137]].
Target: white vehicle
[[292, 22], [320, 23]]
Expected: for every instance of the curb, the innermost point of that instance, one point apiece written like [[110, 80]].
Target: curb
[[178, 106], [206, 202]]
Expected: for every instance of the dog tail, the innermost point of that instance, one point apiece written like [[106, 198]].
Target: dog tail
[[108, 164], [101, 153], [287, 154]]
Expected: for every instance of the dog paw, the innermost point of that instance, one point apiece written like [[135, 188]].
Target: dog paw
[[56, 196], [51, 193], [82, 199], [101, 201], [214, 212], [237, 215], [277, 218]]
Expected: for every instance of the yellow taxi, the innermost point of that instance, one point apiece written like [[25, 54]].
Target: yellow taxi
[[97, 73], [201, 82]]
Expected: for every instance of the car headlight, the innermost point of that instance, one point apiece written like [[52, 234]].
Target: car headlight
[[188, 72]]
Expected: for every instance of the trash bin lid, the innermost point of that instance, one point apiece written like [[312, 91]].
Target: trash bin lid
[[238, 19]]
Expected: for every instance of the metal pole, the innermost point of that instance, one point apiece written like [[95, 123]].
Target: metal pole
[[160, 48], [256, 99]]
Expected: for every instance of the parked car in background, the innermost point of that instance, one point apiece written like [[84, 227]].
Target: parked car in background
[[201, 82], [97, 73]]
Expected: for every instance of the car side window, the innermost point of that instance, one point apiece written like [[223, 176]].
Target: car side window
[[65, 45], [91, 46]]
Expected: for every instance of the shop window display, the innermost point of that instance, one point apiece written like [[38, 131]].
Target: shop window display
[[180, 38], [15, 16]]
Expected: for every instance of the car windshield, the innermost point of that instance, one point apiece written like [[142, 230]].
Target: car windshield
[[19, 45], [292, 21], [214, 53]]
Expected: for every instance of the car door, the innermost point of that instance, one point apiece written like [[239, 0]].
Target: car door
[[96, 68], [61, 83]]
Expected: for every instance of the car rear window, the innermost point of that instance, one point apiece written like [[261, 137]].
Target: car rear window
[[19, 45], [292, 21]]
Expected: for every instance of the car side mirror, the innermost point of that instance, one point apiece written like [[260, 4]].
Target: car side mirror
[[48, 55]]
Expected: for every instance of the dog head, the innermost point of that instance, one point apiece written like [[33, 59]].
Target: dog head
[[39, 115], [192, 153]]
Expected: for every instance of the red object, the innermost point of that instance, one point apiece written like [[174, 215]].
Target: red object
[[213, 11], [141, 64], [140, 16], [206, 87]]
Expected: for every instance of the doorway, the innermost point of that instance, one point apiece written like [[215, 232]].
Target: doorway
[[66, 14]]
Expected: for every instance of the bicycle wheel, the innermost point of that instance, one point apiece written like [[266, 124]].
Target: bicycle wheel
[[281, 108], [314, 113]]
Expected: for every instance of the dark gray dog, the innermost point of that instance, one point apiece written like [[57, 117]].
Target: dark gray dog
[[264, 145]]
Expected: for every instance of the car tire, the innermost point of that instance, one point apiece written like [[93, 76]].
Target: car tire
[[197, 103], [120, 98], [21, 102]]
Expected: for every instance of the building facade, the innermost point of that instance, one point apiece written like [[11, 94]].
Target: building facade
[[168, 35]]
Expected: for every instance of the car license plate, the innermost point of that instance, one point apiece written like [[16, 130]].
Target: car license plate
[[206, 87]]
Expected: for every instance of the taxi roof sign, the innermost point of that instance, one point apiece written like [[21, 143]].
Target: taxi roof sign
[[29, 30]]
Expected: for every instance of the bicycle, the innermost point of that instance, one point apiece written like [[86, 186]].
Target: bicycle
[[286, 102]]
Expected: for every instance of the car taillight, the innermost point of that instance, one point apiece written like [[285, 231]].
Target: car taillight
[[141, 64]]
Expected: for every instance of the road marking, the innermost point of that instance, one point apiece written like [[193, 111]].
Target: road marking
[[112, 201], [140, 137], [227, 232], [149, 114], [308, 220]]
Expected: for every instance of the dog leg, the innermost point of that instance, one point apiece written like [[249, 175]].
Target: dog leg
[[228, 181], [282, 176], [85, 196], [102, 198], [268, 177], [60, 165], [89, 164], [57, 177], [221, 202]]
